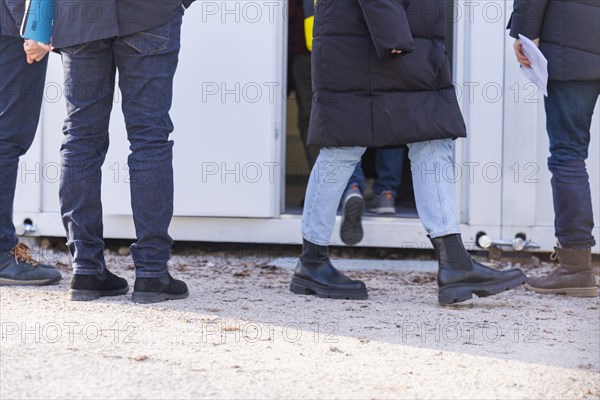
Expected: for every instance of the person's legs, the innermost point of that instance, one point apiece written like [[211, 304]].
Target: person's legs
[[459, 276], [434, 186], [314, 272], [569, 109], [89, 86], [89, 71], [357, 179], [389, 163], [301, 72], [21, 93], [326, 185], [147, 62], [388, 166]]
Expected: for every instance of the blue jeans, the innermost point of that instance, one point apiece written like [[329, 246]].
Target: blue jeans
[[569, 109], [146, 62], [388, 166], [433, 180], [21, 94]]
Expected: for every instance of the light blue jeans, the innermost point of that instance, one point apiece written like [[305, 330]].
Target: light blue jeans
[[433, 173]]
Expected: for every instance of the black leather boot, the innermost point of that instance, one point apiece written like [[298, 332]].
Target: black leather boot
[[315, 275], [459, 276], [154, 290], [92, 287]]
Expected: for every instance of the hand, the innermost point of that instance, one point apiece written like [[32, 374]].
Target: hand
[[35, 51], [521, 57]]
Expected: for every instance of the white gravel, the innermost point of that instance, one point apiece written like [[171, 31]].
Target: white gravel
[[242, 334]]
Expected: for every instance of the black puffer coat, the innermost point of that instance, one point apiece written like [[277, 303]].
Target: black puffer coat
[[365, 96], [569, 32]]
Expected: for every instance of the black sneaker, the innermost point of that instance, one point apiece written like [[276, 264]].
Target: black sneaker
[[155, 290], [17, 267], [92, 287], [353, 204]]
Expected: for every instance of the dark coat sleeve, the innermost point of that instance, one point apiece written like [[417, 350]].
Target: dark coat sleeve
[[388, 26], [527, 18], [11, 16], [187, 3]]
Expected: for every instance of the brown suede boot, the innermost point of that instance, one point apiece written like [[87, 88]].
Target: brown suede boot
[[573, 277]]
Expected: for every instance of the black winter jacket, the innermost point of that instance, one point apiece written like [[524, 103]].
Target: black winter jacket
[[569, 32], [11, 16], [83, 21], [365, 96]]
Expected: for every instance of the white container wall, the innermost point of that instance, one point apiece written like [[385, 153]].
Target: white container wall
[[229, 115]]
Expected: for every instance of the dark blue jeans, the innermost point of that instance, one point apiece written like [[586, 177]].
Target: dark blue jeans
[[146, 62], [21, 94], [569, 109], [388, 166]]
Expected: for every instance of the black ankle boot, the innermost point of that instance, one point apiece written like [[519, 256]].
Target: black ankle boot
[[459, 276], [154, 290], [315, 275], [92, 287]]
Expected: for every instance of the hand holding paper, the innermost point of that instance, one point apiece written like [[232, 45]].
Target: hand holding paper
[[533, 63]]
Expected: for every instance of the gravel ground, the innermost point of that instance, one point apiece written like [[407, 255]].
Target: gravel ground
[[241, 334]]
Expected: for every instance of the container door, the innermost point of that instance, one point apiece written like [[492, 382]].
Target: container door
[[227, 111]]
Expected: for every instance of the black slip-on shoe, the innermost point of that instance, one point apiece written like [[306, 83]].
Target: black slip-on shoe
[[92, 287], [155, 290]]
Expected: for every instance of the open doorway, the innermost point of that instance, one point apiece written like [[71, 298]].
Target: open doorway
[[298, 171], [297, 160]]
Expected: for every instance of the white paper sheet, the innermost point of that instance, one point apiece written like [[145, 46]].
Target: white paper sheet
[[538, 73]]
